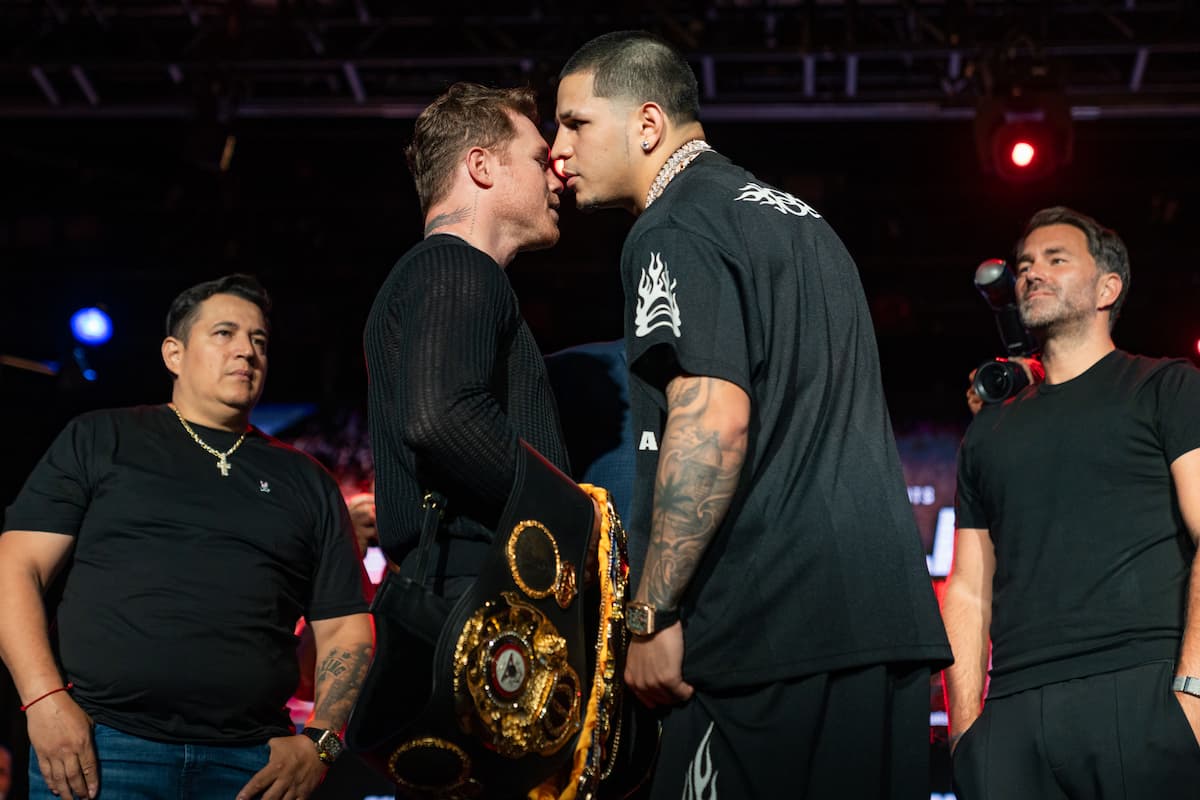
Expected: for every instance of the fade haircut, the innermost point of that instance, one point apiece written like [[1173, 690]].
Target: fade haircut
[[186, 307], [467, 115], [639, 66], [1104, 246]]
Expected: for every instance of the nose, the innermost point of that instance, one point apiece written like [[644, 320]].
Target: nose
[[553, 181], [245, 347], [559, 165], [560, 150], [1030, 276]]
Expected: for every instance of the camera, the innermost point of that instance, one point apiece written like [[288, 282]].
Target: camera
[[1000, 379]]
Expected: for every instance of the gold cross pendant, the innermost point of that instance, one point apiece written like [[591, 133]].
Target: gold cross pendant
[[223, 465]]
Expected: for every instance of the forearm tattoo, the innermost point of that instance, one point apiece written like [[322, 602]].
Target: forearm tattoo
[[339, 678], [697, 476]]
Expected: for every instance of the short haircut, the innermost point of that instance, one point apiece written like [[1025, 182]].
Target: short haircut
[[1104, 245], [639, 66], [186, 307], [467, 115]]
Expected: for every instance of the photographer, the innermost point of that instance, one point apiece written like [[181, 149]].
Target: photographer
[[1079, 512]]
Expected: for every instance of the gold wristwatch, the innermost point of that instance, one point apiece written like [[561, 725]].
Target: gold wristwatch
[[643, 619], [329, 744]]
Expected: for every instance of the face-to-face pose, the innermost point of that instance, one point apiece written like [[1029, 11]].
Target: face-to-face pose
[[529, 189], [595, 141], [626, 103], [482, 171]]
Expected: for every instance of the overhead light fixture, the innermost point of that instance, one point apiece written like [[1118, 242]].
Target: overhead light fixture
[[1023, 128]]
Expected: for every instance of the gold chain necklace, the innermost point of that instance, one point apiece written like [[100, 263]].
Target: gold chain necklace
[[676, 164], [222, 458]]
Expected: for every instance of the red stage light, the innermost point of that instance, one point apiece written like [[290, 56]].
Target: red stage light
[[559, 165], [1023, 154], [1024, 136]]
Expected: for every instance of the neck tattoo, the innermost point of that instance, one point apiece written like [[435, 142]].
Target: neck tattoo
[[676, 164], [222, 458]]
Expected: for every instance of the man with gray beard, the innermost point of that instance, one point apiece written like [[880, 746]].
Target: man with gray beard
[[1078, 516]]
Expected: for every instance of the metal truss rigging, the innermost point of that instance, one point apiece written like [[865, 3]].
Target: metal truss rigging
[[806, 59]]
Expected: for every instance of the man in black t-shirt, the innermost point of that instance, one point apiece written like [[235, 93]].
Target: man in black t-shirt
[[191, 543], [1078, 515], [784, 614], [456, 377]]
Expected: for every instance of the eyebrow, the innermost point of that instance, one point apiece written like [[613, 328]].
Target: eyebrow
[[1053, 250], [231, 323]]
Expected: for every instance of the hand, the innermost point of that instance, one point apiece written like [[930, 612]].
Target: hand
[[61, 734], [592, 564], [974, 401], [362, 517], [293, 772], [1191, 709], [654, 668]]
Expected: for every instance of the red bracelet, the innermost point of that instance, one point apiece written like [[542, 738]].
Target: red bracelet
[[47, 694]]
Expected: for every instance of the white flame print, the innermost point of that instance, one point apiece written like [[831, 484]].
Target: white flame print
[[656, 306]]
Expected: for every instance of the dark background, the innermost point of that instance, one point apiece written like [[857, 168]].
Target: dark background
[[114, 118]]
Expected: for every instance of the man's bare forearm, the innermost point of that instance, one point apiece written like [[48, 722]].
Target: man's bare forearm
[[340, 676], [24, 642], [1188, 662], [24, 638], [1185, 472], [699, 465], [966, 626], [967, 615]]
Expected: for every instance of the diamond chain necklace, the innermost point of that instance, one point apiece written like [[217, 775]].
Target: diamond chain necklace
[[222, 458], [676, 164]]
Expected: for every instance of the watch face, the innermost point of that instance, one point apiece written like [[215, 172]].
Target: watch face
[[332, 745], [329, 746], [637, 618]]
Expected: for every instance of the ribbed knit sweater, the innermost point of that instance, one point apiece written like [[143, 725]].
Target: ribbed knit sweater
[[454, 378]]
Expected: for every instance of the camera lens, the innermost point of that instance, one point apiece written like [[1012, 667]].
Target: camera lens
[[996, 381]]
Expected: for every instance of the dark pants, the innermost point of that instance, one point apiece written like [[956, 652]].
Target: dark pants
[[1116, 735], [860, 733], [132, 768]]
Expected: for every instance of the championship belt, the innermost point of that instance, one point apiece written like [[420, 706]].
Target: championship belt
[[516, 688]]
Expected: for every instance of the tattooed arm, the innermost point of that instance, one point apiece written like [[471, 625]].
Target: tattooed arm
[[700, 460], [347, 643], [294, 771]]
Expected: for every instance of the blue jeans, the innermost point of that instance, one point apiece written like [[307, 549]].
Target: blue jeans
[[132, 768]]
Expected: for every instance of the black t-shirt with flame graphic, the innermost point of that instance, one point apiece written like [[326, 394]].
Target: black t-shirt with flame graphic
[[818, 565]]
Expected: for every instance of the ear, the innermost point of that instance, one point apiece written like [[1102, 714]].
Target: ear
[[172, 354], [1109, 290], [651, 126], [481, 166]]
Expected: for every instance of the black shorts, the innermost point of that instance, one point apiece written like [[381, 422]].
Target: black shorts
[[860, 733], [1116, 735]]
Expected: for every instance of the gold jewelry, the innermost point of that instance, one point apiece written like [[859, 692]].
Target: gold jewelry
[[222, 458], [676, 164]]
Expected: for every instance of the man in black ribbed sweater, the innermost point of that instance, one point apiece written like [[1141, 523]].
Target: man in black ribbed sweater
[[455, 375]]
